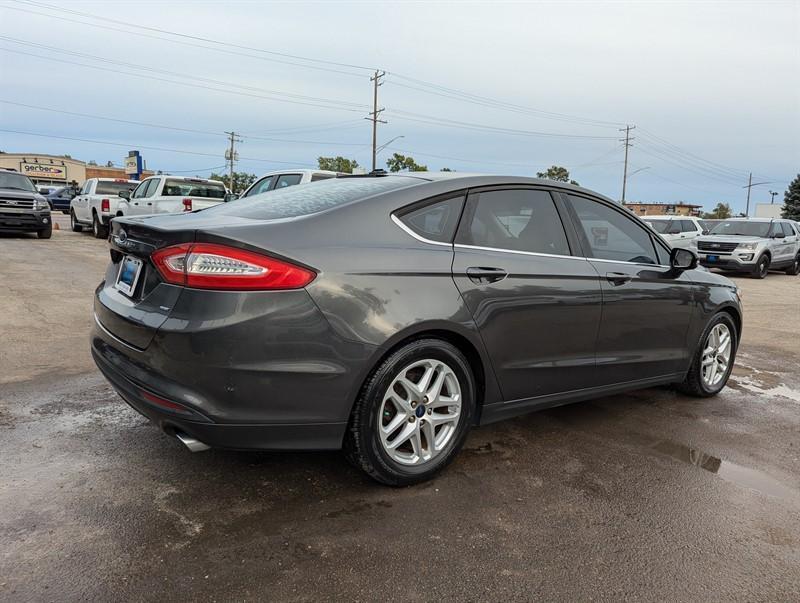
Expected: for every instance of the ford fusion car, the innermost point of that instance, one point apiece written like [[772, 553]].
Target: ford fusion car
[[387, 314]]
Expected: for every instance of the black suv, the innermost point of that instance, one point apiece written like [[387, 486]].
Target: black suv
[[22, 208]]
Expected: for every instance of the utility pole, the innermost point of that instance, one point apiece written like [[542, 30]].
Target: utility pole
[[772, 197], [376, 81], [232, 155], [750, 185], [627, 140]]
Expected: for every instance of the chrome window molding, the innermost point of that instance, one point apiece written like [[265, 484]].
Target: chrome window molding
[[533, 253], [406, 229]]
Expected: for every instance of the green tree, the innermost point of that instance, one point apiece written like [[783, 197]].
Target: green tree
[[722, 211], [791, 201], [241, 180], [557, 173], [337, 164], [398, 163]]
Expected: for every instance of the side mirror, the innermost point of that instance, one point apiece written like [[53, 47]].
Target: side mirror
[[125, 194], [779, 235], [682, 259], [704, 232], [231, 197]]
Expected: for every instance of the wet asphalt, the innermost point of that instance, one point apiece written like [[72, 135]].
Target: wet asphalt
[[646, 496]]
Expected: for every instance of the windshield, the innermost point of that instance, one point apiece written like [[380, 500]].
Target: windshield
[[106, 187], [16, 181], [194, 188], [304, 199], [741, 228], [660, 226]]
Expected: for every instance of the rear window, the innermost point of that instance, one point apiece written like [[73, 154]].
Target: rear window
[[294, 201], [188, 188], [105, 187]]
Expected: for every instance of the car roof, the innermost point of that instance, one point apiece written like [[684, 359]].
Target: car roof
[[751, 219], [297, 171]]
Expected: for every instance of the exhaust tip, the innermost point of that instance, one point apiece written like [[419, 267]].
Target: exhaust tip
[[191, 443]]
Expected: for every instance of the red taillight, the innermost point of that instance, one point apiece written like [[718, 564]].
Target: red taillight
[[210, 266], [105, 205], [159, 401], [187, 205]]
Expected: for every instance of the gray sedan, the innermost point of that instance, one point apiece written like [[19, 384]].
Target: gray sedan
[[387, 314]]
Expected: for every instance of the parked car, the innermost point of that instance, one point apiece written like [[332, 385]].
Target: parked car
[[22, 208], [678, 231], [171, 194], [751, 245], [282, 179], [388, 314], [60, 198], [97, 202]]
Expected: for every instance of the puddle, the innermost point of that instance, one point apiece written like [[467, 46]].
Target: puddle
[[731, 472], [757, 387]]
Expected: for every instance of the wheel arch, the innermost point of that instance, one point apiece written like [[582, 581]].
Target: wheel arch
[[736, 316], [486, 386]]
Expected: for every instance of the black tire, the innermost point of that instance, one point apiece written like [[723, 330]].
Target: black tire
[[762, 267], [362, 446], [693, 384], [794, 269], [99, 230], [73, 222], [46, 233]]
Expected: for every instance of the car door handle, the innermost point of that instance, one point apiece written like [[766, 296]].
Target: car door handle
[[618, 278], [149, 203], [482, 274]]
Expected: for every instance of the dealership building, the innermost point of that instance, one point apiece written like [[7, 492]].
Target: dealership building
[[59, 170]]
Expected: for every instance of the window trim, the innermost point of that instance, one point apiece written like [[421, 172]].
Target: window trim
[[397, 214]]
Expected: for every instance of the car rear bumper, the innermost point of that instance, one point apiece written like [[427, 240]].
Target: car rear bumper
[[24, 222], [260, 373]]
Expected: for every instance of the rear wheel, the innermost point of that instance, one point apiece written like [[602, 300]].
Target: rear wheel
[[762, 267], [98, 229], [713, 361], [413, 414], [794, 268], [73, 222]]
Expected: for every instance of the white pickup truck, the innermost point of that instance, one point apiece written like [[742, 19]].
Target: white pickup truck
[[171, 195], [97, 202]]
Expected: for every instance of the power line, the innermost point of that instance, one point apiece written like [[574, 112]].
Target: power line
[[192, 37]]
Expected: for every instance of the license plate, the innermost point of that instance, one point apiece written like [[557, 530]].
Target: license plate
[[129, 271], [712, 258]]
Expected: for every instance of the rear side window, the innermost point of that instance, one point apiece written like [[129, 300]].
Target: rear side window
[[288, 180], [611, 234], [436, 221], [113, 188], [688, 226], [295, 201], [516, 220]]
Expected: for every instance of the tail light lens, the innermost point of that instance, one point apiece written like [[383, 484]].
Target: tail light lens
[[211, 266], [187, 205], [105, 205]]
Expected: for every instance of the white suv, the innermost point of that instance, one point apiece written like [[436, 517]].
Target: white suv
[[96, 203], [172, 195], [678, 231], [754, 245], [278, 180]]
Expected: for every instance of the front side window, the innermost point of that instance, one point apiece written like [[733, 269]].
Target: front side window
[[611, 234], [516, 220], [436, 221], [140, 190], [262, 186], [87, 186], [288, 180]]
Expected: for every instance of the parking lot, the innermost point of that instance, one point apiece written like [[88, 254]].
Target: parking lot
[[646, 496]]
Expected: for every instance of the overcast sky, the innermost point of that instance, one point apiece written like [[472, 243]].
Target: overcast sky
[[713, 87]]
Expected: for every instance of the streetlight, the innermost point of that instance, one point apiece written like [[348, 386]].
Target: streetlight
[[773, 193], [383, 146]]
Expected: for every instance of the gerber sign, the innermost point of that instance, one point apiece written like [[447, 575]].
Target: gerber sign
[[44, 171]]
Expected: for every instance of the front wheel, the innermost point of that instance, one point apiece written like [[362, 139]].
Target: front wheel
[[762, 267], [794, 268], [73, 223], [713, 361], [46, 233], [413, 414]]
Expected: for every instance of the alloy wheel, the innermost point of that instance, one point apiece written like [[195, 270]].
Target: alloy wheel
[[419, 415], [716, 355]]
